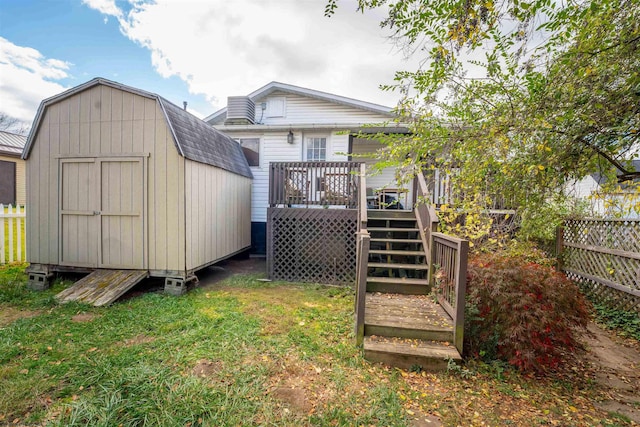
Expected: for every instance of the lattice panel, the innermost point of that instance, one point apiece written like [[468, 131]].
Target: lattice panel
[[312, 245], [607, 253], [622, 235], [605, 295]]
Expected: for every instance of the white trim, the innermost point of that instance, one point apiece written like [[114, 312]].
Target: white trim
[[327, 155]]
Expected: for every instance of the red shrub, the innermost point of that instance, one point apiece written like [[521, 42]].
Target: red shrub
[[520, 312]]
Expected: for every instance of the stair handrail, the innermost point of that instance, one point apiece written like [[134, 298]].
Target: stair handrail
[[363, 241], [426, 217], [450, 254]]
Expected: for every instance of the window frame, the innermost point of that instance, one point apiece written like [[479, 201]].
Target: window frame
[[312, 139], [252, 139]]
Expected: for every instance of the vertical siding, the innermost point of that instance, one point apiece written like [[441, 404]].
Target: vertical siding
[[103, 121], [217, 215]]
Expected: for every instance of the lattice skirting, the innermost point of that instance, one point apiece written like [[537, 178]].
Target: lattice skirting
[[607, 296], [312, 245]]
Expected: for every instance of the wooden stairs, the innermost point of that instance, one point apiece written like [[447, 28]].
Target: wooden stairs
[[403, 326]]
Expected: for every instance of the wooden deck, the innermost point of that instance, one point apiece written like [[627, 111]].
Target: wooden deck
[[408, 330], [102, 287]]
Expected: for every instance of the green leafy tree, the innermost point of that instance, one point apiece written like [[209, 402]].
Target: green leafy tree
[[516, 98]]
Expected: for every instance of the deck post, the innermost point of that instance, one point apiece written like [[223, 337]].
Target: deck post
[[362, 254]]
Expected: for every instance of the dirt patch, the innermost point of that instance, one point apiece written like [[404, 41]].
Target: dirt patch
[[617, 370], [208, 369], [9, 315], [138, 339], [83, 317], [301, 387], [227, 268]]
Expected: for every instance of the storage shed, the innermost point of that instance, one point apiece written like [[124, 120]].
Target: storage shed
[[122, 179]]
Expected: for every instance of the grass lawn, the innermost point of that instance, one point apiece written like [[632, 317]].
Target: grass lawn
[[242, 352]]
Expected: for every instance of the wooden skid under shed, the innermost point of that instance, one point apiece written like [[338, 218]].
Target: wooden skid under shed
[[102, 287]]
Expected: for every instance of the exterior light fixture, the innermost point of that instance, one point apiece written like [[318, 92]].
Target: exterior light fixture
[[290, 137]]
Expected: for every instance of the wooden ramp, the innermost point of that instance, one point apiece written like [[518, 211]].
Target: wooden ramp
[[102, 287]]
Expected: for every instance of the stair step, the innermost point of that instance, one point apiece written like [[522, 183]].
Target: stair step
[[395, 285], [385, 240], [395, 252], [408, 354], [406, 316], [390, 214], [392, 229], [398, 280], [397, 266]]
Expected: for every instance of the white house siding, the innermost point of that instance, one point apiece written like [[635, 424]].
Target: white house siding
[[302, 109], [105, 122], [218, 218]]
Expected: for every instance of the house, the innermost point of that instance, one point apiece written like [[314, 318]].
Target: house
[[12, 169], [120, 179], [603, 201], [285, 123]]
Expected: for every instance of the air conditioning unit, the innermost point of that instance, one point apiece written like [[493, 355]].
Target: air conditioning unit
[[240, 110]]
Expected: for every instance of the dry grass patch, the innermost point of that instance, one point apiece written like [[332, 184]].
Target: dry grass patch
[[10, 314], [84, 317], [139, 339]]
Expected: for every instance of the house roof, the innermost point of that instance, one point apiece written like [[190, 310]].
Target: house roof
[[11, 144], [311, 93], [194, 139]]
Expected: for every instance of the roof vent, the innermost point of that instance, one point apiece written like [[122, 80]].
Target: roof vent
[[241, 110]]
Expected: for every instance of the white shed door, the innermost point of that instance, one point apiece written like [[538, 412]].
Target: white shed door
[[102, 213]]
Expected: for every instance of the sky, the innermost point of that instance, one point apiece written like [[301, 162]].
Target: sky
[[198, 51]]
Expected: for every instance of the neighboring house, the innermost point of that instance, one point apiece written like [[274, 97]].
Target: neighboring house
[[12, 170], [601, 201], [122, 179], [285, 123]]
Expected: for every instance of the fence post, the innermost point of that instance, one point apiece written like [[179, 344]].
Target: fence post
[[559, 246]]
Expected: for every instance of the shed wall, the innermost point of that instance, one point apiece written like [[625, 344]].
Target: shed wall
[[104, 122], [218, 214], [21, 197]]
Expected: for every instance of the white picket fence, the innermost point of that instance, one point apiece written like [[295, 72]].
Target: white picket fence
[[12, 236]]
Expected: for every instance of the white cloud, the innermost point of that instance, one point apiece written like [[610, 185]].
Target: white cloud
[[107, 7], [222, 48], [26, 77]]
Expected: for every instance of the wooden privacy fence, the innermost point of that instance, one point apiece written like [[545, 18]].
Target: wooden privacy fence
[[449, 257], [12, 236], [603, 256]]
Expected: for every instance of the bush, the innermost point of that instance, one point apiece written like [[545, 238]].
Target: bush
[[522, 313]]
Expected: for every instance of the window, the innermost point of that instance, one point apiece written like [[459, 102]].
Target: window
[[316, 149], [251, 149]]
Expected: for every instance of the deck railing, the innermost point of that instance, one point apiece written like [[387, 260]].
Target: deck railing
[[314, 184], [363, 242], [426, 216], [12, 235], [449, 258]]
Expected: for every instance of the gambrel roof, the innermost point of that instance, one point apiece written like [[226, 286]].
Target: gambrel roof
[[194, 139], [311, 93]]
